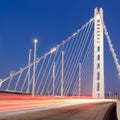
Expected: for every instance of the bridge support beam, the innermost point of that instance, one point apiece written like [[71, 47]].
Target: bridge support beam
[[98, 72]]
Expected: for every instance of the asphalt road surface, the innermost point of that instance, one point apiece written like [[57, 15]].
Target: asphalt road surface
[[88, 111]]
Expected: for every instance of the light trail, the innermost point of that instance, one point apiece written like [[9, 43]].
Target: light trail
[[25, 102]]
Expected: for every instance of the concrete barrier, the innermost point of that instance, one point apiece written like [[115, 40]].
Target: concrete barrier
[[118, 110]]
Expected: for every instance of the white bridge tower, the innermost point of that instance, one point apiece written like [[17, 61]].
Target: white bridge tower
[[98, 72]]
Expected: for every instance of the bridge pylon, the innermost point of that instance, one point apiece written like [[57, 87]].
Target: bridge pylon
[[98, 66]]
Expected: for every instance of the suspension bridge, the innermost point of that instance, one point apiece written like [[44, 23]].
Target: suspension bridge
[[63, 76], [62, 71]]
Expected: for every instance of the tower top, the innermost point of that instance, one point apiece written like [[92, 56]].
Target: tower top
[[98, 9], [98, 12]]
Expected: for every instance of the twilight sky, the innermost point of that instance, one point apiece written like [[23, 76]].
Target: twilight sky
[[51, 21]]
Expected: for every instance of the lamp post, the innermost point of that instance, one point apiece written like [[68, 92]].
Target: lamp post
[[54, 78], [34, 67], [79, 79], [29, 62], [0, 82], [62, 77]]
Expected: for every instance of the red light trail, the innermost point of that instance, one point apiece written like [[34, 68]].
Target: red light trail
[[9, 102]]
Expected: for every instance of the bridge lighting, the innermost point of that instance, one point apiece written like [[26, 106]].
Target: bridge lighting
[[35, 40], [53, 50], [74, 34]]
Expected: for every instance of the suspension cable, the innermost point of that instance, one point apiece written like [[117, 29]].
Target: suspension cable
[[112, 50]]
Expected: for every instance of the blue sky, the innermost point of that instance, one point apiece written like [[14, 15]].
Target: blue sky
[[50, 21]]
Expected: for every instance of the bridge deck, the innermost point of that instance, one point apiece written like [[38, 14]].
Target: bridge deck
[[13, 102], [12, 105]]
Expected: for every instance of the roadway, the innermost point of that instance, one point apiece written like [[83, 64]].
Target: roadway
[[42, 108]]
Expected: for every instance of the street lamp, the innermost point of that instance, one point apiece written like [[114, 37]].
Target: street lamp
[[34, 67], [35, 41]]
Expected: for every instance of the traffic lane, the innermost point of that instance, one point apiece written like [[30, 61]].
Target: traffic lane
[[92, 111]]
